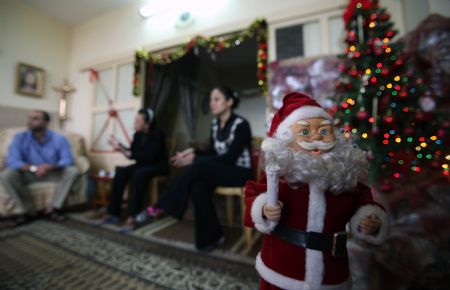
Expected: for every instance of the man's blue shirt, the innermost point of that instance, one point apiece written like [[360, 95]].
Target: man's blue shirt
[[26, 149]]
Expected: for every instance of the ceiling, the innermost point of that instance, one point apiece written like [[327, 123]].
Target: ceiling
[[74, 12]]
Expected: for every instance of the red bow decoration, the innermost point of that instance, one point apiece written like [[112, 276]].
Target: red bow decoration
[[93, 76], [365, 4]]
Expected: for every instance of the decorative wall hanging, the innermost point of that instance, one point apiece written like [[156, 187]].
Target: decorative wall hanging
[[30, 80]]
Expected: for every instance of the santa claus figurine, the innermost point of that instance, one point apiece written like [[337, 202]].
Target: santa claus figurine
[[319, 192]]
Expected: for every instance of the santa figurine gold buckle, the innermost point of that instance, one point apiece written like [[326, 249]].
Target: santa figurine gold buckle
[[339, 244]]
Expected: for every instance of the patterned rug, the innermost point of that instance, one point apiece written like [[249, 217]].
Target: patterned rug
[[46, 255], [180, 234]]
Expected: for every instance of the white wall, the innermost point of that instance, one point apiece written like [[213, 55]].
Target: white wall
[[254, 110], [117, 34], [29, 36]]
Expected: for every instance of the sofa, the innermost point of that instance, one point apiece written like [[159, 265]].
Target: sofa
[[42, 192]]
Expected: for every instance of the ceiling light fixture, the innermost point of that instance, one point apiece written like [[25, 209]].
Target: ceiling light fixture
[[153, 8]]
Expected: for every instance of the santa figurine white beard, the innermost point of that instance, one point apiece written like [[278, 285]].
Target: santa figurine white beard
[[319, 192], [339, 169]]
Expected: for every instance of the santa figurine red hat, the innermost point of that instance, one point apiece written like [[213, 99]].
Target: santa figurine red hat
[[319, 192], [296, 106]]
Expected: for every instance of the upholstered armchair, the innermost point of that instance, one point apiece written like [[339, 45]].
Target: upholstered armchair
[[42, 192]]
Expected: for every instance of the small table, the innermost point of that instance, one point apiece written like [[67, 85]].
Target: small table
[[102, 189]]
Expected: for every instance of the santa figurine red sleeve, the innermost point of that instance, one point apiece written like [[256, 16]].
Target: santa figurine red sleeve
[[318, 192]]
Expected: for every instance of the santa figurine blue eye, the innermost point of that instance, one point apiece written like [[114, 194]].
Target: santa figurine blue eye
[[323, 132]]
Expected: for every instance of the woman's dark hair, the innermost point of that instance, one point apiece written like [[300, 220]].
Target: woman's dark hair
[[148, 114], [229, 94]]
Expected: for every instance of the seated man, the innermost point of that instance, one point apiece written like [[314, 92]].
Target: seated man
[[39, 154]]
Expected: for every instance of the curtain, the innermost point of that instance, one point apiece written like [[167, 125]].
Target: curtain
[[158, 84], [189, 90], [161, 79]]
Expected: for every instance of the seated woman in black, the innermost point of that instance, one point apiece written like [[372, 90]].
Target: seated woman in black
[[226, 163], [148, 149]]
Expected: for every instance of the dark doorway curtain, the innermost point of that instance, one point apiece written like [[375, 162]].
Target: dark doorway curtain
[[188, 88], [179, 78], [159, 81]]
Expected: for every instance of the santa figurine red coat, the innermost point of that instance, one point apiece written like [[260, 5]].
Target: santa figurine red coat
[[319, 193]]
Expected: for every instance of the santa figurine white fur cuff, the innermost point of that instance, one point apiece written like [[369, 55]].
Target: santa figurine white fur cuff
[[319, 178]]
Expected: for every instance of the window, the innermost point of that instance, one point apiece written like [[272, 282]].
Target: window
[[321, 34], [337, 35], [115, 83], [289, 41], [298, 40]]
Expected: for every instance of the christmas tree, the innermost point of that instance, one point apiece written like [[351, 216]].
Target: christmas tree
[[383, 104]]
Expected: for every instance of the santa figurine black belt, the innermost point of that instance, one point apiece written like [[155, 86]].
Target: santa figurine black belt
[[336, 242]]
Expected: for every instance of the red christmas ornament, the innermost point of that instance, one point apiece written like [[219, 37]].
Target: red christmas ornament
[[263, 45], [351, 37], [377, 50], [386, 187], [390, 33], [409, 131], [421, 116], [362, 115], [388, 119], [385, 17], [435, 164], [353, 73], [403, 94], [333, 110]]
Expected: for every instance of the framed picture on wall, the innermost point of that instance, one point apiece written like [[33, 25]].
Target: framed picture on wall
[[30, 80]]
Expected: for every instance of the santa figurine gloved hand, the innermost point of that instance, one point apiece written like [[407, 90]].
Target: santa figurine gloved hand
[[319, 192]]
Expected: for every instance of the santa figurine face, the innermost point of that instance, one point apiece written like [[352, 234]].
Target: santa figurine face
[[313, 136]]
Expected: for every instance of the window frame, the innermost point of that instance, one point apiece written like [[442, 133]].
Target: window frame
[[132, 104], [323, 18]]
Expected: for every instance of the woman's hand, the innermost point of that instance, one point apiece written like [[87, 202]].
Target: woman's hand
[[273, 213], [118, 147], [370, 225], [184, 158], [114, 143]]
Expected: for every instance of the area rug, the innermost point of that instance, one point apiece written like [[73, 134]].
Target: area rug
[[46, 255], [180, 235]]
